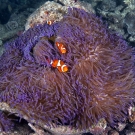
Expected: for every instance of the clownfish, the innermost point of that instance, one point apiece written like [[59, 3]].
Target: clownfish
[[49, 22], [61, 47], [60, 65]]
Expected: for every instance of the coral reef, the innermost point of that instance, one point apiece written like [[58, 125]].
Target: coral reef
[[13, 16], [15, 24], [130, 3], [54, 11], [108, 5], [20, 10], [100, 82], [130, 22], [116, 13]]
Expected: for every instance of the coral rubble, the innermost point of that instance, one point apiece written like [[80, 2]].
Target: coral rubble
[[100, 82]]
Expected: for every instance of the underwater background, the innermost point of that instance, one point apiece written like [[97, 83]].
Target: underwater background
[[29, 28]]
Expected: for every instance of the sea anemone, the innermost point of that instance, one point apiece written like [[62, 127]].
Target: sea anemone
[[99, 83], [5, 123]]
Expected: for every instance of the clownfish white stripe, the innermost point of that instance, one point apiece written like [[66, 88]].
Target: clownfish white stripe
[[59, 65], [61, 47], [62, 67]]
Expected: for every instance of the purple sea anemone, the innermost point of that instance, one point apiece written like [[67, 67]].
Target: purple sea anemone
[[5, 122], [99, 83]]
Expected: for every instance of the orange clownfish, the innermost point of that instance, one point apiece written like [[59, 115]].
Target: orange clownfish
[[61, 47], [59, 65], [50, 22]]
